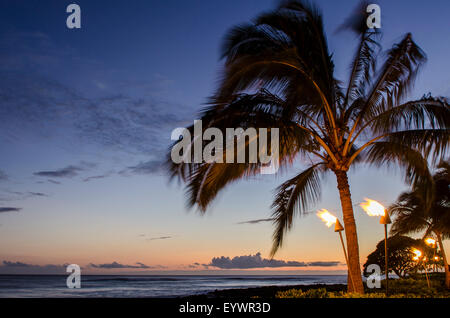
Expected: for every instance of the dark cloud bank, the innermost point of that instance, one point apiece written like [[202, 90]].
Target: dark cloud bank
[[20, 268], [256, 261]]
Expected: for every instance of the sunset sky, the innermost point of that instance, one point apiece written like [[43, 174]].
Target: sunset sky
[[85, 122]]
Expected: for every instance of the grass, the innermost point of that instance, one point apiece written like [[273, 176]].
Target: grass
[[414, 287]]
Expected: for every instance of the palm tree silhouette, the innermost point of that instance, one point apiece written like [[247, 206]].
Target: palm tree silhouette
[[278, 73], [421, 211]]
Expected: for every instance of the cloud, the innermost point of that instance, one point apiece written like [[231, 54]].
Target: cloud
[[155, 238], [324, 264], [148, 167], [116, 265], [96, 177], [256, 261], [15, 264], [159, 238], [9, 209], [196, 265], [8, 195], [37, 194], [125, 114], [128, 124], [66, 172], [256, 221], [21, 268]]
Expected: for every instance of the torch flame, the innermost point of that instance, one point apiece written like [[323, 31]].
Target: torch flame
[[430, 241], [373, 208], [417, 253], [327, 217]]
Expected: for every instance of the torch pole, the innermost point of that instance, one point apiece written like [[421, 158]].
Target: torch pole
[[346, 260], [386, 259], [434, 258], [426, 275], [385, 220]]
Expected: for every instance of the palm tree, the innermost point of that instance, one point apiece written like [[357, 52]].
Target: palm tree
[[416, 211], [278, 73]]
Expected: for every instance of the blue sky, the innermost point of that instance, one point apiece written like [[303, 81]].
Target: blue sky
[[86, 117]]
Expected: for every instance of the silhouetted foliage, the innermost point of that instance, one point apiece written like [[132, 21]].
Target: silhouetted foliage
[[426, 209], [399, 255]]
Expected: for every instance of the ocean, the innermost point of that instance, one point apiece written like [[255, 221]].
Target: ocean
[[52, 286]]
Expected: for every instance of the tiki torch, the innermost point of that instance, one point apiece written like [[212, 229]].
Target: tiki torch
[[432, 242], [374, 208], [418, 257], [329, 220]]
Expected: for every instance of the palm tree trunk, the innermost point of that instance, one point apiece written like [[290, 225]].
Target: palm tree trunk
[[447, 272], [351, 236]]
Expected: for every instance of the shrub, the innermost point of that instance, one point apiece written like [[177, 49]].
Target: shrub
[[398, 288], [298, 293]]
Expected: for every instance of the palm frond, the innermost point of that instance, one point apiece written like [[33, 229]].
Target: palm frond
[[408, 218], [294, 197], [313, 47], [364, 61], [415, 211], [390, 153], [395, 79], [260, 110], [249, 40], [208, 179], [284, 51], [434, 142], [417, 114]]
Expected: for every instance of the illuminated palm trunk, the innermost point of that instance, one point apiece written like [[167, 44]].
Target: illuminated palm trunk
[[350, 232], [447, 272]]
